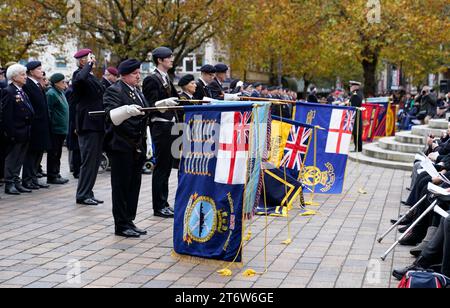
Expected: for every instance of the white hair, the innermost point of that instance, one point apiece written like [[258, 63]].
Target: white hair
[[14, 70]]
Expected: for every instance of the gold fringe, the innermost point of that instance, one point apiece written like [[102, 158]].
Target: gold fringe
[[198, 260]]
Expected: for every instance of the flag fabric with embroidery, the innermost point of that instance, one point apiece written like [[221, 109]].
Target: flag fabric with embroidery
[[290, 143], [340, 131], [281, 190], [209, 203], [332, 145]]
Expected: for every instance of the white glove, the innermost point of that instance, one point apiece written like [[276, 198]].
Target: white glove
[[163, 104], [231, 97], [208, 99], [121, 114], [240, 83]]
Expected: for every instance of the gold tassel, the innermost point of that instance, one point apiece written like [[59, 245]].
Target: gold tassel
[[225, 272], [308, 213], [249, 273], [287, 242]]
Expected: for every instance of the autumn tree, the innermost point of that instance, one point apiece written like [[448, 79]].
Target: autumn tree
[[27, 24], [133, 28]]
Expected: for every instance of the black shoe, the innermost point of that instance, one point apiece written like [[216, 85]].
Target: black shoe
[[137, 230], [419, 265], [411, 239], [128, 233], [87, 202], [76, 176], [400, 273], [57, 181], [22, 189], [98, 201], [10, 189], [31, 186], [170, 209], [404, 203], [164, 213], [45, 186]]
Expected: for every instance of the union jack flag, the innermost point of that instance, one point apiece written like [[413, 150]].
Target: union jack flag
[[296, 147], [349, 120]]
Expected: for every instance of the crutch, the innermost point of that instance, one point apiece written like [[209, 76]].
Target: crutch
[[428, 210], [401, 219]]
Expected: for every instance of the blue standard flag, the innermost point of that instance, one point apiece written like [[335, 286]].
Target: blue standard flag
[[213, 173], [333, 145]]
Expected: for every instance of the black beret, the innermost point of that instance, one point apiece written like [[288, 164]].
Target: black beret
[[128, 66], [162, 53], [208, 68], [221, 68], [33, 65], [185, 80], [257, 84]]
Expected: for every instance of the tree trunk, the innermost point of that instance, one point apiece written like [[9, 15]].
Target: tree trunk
[[369, 65]]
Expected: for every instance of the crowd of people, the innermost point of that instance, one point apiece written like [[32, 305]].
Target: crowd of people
[[430, 237], [421, 108], [41, 114]]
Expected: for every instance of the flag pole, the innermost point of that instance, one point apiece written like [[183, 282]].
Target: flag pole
[[361, 190], [311, 202]]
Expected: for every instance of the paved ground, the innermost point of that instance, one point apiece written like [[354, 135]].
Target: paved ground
[[45, 236]]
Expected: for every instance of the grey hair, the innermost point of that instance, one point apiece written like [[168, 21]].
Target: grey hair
[[79, 60], [15, 70]]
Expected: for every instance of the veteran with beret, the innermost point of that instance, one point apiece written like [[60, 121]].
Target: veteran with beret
[[87, 95], [40, 141], [207, 76], [216, 85], [125, 143], [110, 77], [58, 108]]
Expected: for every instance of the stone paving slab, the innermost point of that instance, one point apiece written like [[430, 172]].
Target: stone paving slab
[[46, 236]]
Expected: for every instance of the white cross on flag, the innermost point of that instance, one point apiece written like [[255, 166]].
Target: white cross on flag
[[231, 167], [340, 132]]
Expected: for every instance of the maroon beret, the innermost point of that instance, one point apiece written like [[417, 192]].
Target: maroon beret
[[113, 71], [82, 53]]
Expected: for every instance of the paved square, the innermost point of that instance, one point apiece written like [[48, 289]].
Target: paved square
[[45, 236]]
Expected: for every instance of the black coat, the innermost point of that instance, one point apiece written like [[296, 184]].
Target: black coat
[[154, 90], [40, 128], [131, 134], [106, 83], [72, 138], [216, 90], [356, 99], [202, 91], [312, 98], [18, 115], [87, 96]]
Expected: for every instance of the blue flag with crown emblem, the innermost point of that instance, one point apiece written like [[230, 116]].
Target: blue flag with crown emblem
[[333, 145]]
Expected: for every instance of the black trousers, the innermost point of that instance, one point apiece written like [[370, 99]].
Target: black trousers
[[54, 156], [31, 166], [358, 131], [3, 147], [162, 140], [91, 149], [419, 188], [75, 162], [438, 250], [126, 178], [15, 157]]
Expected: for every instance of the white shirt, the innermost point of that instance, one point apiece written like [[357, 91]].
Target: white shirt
[[166, 79]]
